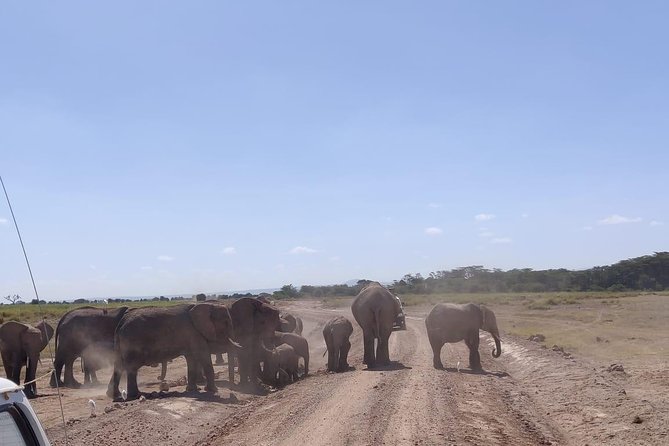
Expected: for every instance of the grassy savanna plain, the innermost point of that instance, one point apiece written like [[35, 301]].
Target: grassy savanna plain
[[607, 326]]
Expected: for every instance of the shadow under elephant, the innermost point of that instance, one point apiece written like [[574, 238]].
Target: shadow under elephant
[[392, 366]]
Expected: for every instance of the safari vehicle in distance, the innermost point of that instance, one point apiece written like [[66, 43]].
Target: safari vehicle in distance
[[18, 422], [400, 321]]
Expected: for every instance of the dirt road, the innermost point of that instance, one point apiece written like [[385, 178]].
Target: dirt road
[[529, 396]]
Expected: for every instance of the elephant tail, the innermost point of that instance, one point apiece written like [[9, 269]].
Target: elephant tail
[[377, 323], [326, 350]]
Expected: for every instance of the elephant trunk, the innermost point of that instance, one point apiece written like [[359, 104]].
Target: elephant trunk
[[497, 351]]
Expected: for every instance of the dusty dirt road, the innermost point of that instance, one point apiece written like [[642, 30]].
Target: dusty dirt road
[[529, 396]]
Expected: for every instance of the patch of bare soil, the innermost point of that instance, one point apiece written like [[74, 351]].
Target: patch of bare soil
[[530, 395]]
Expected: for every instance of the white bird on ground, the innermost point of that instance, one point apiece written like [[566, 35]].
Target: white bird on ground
[[458, 366], [91, 404]]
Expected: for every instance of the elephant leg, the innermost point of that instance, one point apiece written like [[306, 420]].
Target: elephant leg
[[343, 356], [133, 390], [382, 353], [112, 387], [306, 363], [369, 358], [208, 369], [219, 359], [192, 372], [6, 362], [332, 353], [31, 371], [69, 375], [93, 377], [472, 342], [57, 373], [15, 369], [163, 370], [436, 345], [231, 368]]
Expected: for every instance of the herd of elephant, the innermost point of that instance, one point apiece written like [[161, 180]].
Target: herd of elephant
[[262, 344]]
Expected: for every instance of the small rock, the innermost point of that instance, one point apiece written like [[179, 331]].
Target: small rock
[[164, 387], [616, 368], [108, 409], [142, 399], [118, 405], [537, 338], [622, 392], [637, 420]]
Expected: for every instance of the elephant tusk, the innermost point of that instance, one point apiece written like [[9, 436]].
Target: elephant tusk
[[234, 344]]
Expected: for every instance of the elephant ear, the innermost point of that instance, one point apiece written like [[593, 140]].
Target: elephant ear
[[46, 332], [488, 320], [201, 316]]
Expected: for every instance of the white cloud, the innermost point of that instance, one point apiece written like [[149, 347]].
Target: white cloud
[[302, 250], [146, 268], [433, 231], [434, 205], [616, 219], [484, 217], [165, 258], [3, 221], [229, 250], [486, 234], [501, 240], [656, 223]]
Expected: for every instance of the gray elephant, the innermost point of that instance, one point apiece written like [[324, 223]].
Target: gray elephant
[[20, 345], [455, 323], [151, 335], [77, 330], [375, 309], [336, 333], [281, 365], [287, 323], [254, 322], [299, 344]]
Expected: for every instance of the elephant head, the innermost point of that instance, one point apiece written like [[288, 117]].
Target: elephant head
[[46, 332], [287, 323], [214, 323], [489, 324]]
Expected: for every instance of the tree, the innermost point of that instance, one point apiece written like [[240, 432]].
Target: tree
[[200, 297], [13, 299]]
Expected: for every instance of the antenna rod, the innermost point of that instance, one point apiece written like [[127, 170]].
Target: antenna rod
[[39, 305]]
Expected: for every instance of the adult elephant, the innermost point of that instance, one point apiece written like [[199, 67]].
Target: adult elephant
[[20, 345], [254, 322], [454, 323], [375, 309], [151, 335], [77, 330], [336, 333]]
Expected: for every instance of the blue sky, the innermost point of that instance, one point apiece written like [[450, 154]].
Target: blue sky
[[179, 147]]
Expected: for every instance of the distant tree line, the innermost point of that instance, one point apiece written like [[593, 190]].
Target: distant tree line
[[647, 273]]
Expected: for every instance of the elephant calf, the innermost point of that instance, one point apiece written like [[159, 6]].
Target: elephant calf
[[336, 333], [20, 345], [299, 344], [454, 323]]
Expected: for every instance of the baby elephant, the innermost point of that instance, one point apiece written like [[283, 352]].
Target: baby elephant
[[284, 363], [336, 333], [299, 344]]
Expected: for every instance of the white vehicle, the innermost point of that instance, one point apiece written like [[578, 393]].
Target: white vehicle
[[19, 425]]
